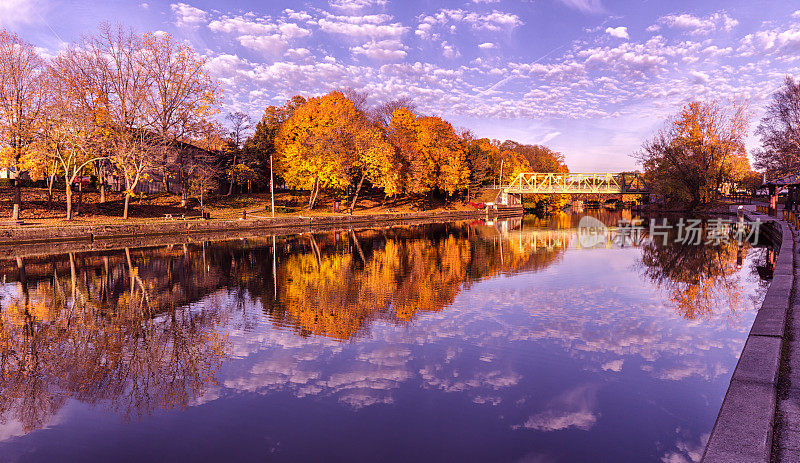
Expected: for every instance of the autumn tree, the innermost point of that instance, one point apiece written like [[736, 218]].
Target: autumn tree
[[382, 114], [239, 124], [779, 131], [443, 156], [431, 155], [106, 78], [403, 133], [180, 97], [700, 149], [22, 97], [40, 165], [327, 143], [259, 148], [67, 133], [539, 157]]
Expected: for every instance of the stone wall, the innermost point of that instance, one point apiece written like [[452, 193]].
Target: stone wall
[[744, 428]]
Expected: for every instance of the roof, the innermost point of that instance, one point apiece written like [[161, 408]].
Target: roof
[[791, 179]]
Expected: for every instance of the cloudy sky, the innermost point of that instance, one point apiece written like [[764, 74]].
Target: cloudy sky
[[590, 78]]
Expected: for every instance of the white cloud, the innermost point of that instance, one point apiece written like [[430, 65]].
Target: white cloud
[[293, 31], [613, 365], [496, 21], [15, 12], [449, 51], [547, 137], [620, 32], [486, 45], [769, 41], [298, 53], [700, 26], [187, 15], [586, 6], [384, 50], [242, 25], [699, 77], [354, 5], [224, 65], [374, 26], [261, 34]]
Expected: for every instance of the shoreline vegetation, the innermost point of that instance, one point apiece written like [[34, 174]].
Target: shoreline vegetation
[[139, 113]]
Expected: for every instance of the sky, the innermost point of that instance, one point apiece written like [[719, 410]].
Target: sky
[[592, 79]]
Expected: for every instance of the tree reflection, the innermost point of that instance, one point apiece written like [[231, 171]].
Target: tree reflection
[[702, 281], [101, 330], [141, 330], [336, 284]]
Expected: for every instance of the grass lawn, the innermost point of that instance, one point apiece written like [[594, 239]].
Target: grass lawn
[[154, 207]]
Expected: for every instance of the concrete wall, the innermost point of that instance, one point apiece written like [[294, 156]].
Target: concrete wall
[[744, 428], [22, 241]]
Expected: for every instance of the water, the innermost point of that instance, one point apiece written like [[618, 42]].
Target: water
[[455, 342]]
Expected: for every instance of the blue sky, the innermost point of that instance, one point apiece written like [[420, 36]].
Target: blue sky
[[590, 78]]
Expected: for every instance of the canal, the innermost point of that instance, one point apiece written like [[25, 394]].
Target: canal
[[487, 341]]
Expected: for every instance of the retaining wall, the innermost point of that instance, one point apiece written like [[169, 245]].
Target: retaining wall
[[28, 241], [744, 428]]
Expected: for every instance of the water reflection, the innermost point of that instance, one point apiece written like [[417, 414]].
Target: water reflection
[[510, 330], [701, 281], [104, 331], [336, 284]]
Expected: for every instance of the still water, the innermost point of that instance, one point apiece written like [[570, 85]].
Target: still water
[[504, 341]]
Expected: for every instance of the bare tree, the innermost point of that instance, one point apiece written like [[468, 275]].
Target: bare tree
[[67, 133], [359, 99], [105, 76], [779, 131], [22, 97], [383, 112], [240, 124], [180, 97]]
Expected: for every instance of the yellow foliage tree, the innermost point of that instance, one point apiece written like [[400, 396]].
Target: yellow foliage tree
[[443, 155], [327, 142]]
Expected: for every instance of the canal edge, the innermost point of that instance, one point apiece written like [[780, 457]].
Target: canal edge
[[745, 427]]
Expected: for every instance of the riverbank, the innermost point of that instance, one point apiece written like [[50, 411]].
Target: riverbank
[[17, 241], [753, 424]]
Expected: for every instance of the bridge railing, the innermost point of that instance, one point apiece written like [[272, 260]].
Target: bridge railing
[[565, 183]]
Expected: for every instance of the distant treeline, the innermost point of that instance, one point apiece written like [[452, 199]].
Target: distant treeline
[[336, 142], [142, 107]]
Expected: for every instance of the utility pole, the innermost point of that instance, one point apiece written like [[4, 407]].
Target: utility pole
[[271, 186]]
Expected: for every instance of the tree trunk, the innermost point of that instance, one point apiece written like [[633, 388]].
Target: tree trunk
[[102, 191], [69, 201], [313, 198], [80, 198], [184, 190], [355, 196], [17, 199], [127, 202], [230, 187], [202, 205], [165, 176]]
